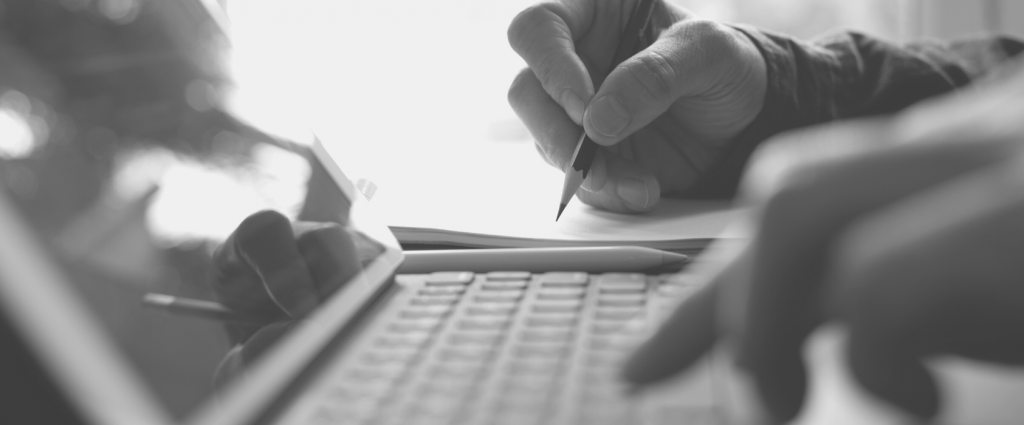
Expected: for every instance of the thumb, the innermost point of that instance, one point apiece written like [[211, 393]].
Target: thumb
[[617, 184], [683, 61]]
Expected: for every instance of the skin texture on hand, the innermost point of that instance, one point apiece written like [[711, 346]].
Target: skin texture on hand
[[664, 116], [906, 232]]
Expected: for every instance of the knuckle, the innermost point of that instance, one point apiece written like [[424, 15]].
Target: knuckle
[[709, 33], [655, 74], [714, 42], [523, 24]]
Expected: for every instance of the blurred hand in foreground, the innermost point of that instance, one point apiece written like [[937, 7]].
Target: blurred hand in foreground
[[664, 116], [279, 271], [907, 232]]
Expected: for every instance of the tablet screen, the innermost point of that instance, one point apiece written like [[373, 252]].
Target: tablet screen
[[132, 186]]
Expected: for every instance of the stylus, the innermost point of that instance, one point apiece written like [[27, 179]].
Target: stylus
[[198, 308], [583, 259]]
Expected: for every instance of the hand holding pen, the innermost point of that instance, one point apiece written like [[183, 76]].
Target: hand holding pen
[[663, 117]]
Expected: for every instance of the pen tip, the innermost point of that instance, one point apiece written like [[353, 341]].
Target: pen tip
[[561, 207]]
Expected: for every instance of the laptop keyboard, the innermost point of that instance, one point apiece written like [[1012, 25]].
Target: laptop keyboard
[[508, 348]]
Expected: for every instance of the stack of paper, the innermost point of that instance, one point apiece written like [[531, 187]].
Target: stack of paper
[[675, 225], [495, 195]]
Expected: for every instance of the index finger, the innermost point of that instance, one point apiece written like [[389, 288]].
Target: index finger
[[265, 240], [544, 36], [695, 326]]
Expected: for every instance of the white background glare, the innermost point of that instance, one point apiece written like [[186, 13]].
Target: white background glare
[[412, 94]]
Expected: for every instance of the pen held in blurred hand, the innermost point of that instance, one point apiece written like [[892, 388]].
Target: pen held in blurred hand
[[198, 308]]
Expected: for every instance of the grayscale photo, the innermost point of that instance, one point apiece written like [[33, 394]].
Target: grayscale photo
[[511, 212]]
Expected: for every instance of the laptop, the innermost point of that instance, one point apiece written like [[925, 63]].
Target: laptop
[[100, 230]]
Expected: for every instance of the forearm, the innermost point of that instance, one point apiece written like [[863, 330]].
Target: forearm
[[849, 75]]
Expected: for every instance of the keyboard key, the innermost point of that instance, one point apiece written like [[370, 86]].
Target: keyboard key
[[499, 296], [552, 321], [546, 367], [407, 340], [563, 279], [617, 313], [527, 385], [606, 343], [547, 335], [478, 339], [495, 309], [449, 278], [568, 293], [414, 326], [623, 288], [621, 282], [541, 351], [356, 391], [447, 389], [465, 354], [607, 327], [389, 357], [435, 300], [458, 372], [420, 312], [608, 278], [621, 299], [524, 396], [505, 276], [501, 285], [442, 290], [483, 323], [562, 306], [366, 374]]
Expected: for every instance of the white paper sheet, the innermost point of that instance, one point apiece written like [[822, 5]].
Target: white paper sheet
[[504, 195]]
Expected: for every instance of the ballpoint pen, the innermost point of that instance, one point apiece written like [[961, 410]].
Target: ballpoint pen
[[586, 149]]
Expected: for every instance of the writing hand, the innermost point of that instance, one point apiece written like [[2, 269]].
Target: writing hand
[[664, 116]]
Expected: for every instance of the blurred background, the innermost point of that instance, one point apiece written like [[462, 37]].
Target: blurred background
[[400, 81]]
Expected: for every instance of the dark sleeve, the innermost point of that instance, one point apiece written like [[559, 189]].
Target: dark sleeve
[[848, 75]]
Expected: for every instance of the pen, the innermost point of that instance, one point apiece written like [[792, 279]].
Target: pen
[[584, 259], [583, 157], [199, 308]]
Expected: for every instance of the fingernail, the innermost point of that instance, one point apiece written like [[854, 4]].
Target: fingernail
[[573, 105], [608, 116], [634, 192]]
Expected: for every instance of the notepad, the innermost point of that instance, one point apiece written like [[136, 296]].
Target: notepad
[[675, 225], [494, 195]]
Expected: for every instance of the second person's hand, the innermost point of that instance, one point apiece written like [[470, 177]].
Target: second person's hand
[[665, 115]]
